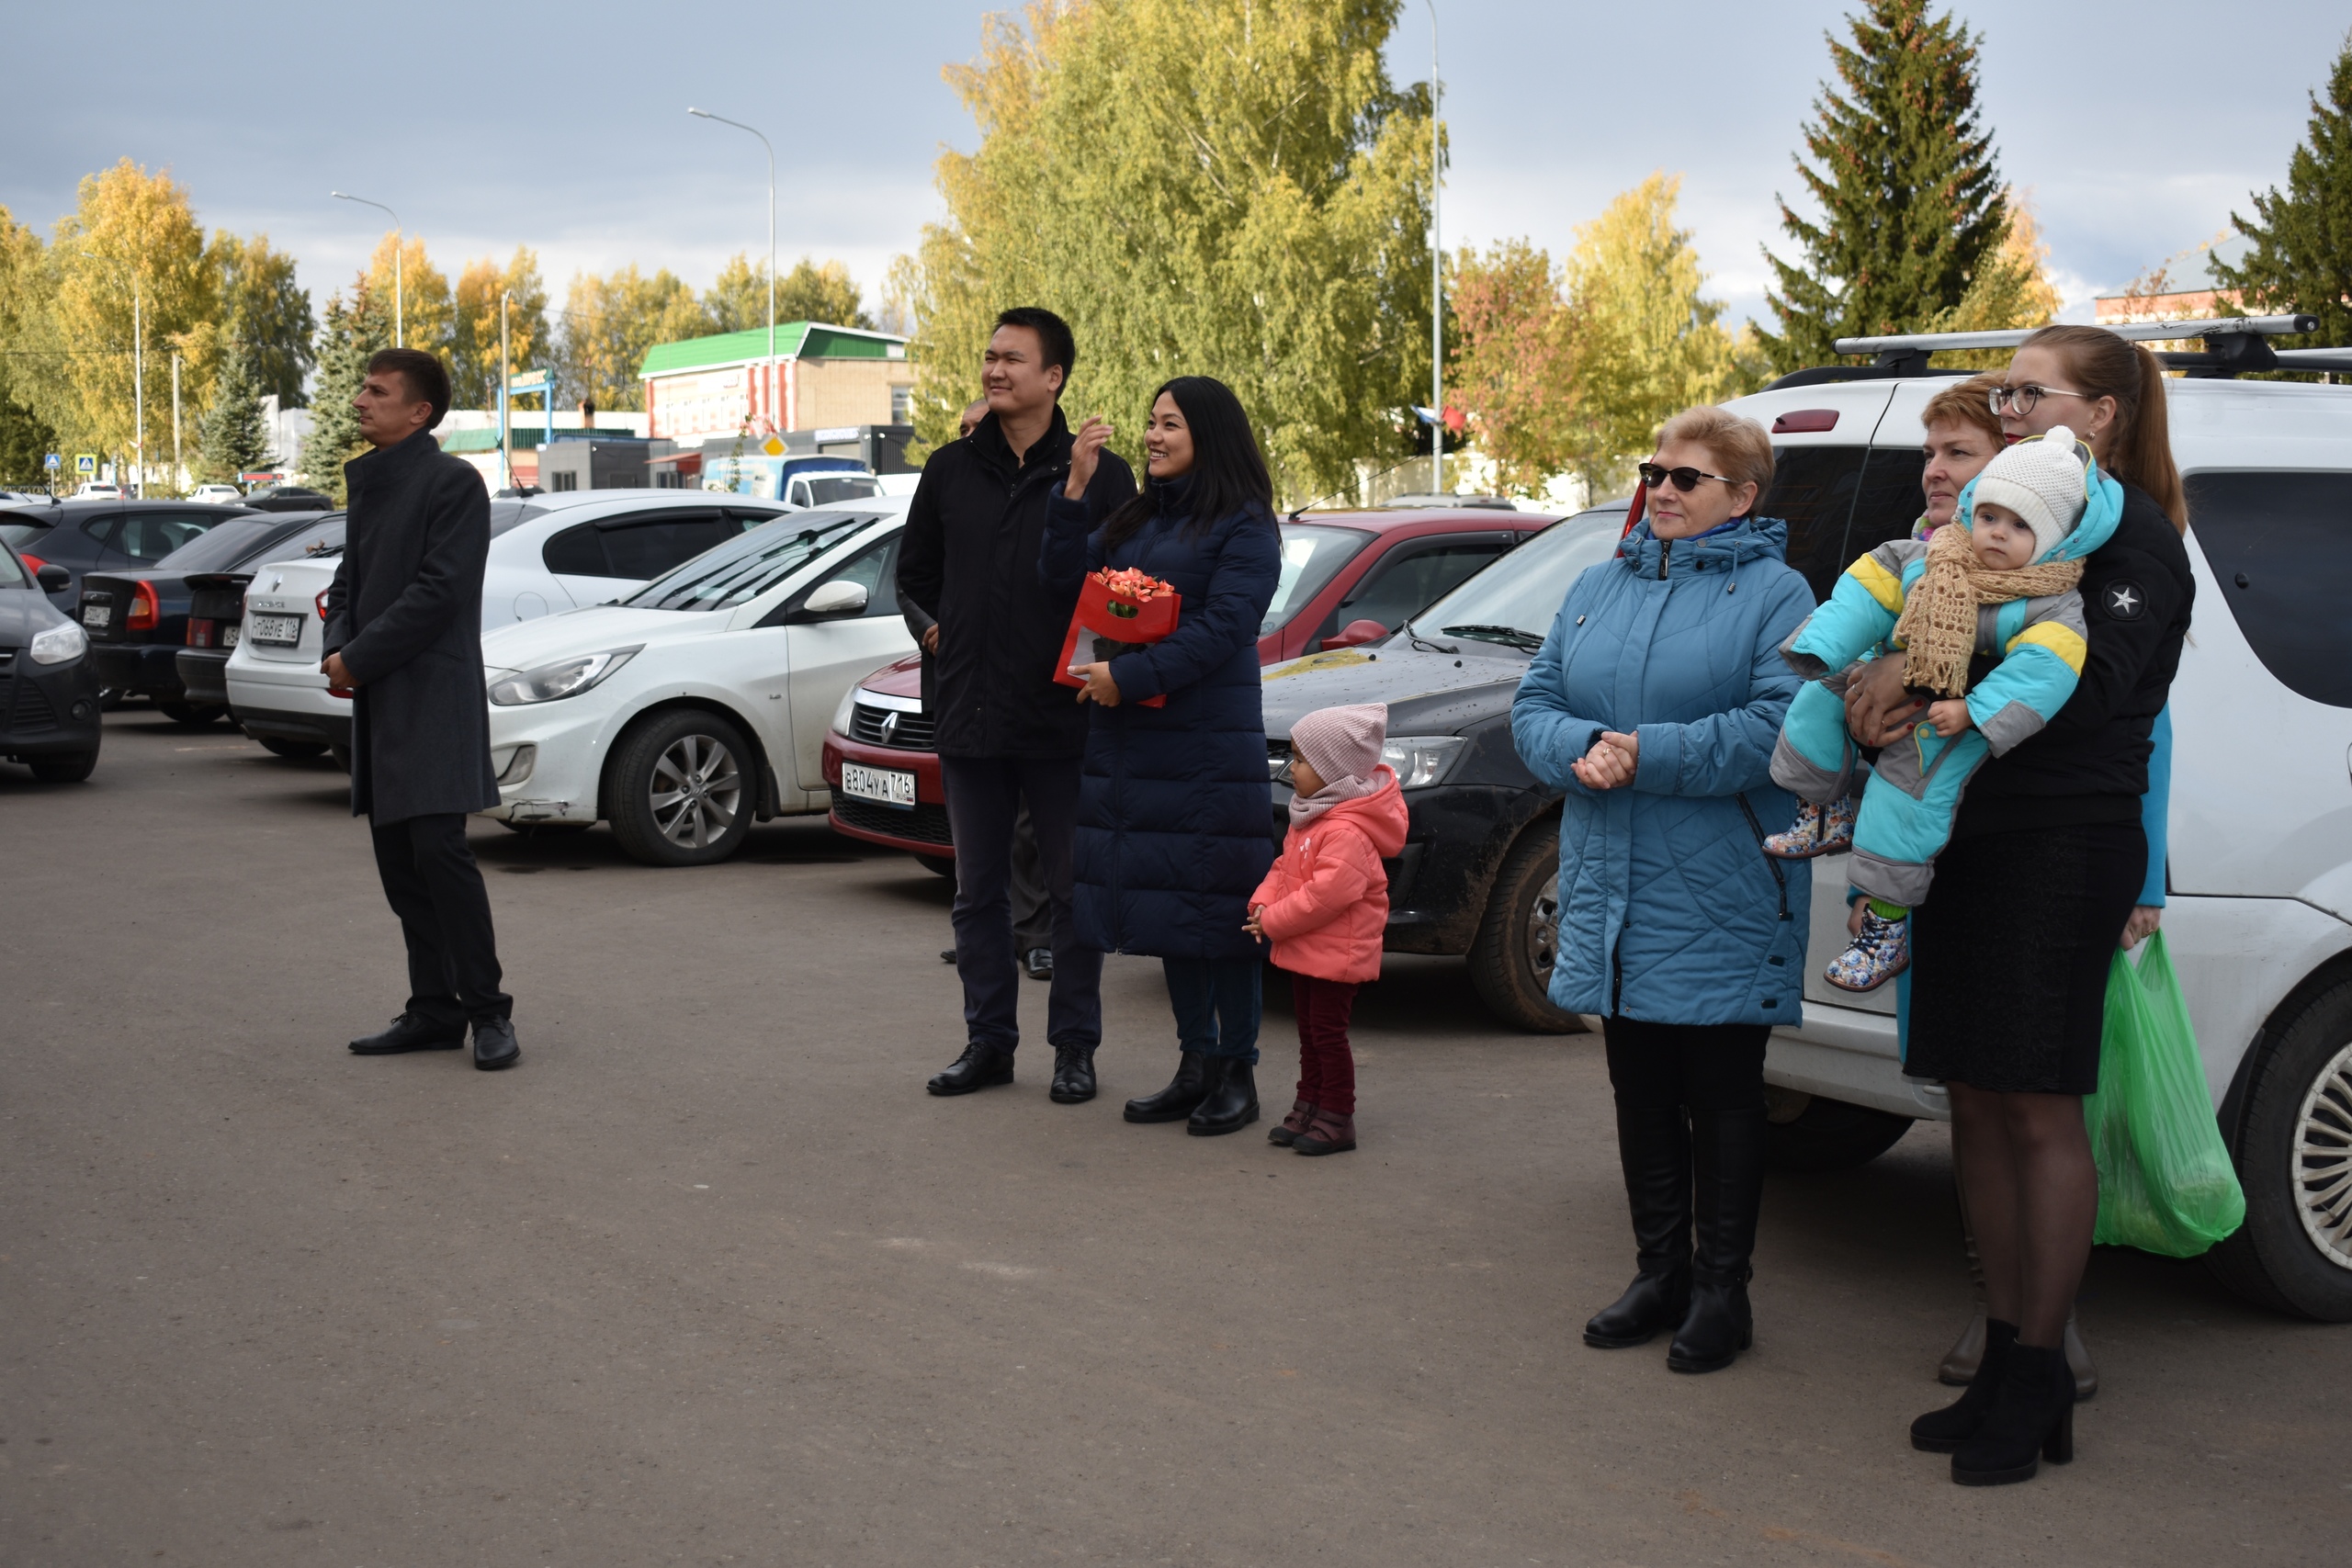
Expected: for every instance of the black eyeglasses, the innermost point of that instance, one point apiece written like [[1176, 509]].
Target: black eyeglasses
[[1685, 480], [2025, 397]]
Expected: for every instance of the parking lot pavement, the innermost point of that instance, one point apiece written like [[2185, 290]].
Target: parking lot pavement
[[710, 1278]]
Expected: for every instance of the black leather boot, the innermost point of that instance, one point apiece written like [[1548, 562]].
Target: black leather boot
[[1073, 1075], [1176, 1101], [2031, 1419], [1653, 1146], [1727, 1168], [1943, 1431], [1230, 1102], [980, 1067]]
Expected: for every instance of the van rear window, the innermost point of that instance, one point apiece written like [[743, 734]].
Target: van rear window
[[2280, 546], [1840, 502]]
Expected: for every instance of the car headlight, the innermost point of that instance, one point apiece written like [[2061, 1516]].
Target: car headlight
[[564, 677], [60, 644], [1421, 759], [846, 712]]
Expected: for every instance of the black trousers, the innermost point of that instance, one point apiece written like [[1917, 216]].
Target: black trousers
[[1033, 908], [432, 885], [984, 797], [1689, 1066]]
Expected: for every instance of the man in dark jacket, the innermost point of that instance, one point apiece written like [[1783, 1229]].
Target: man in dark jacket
[[1006, 732], [403, 633]]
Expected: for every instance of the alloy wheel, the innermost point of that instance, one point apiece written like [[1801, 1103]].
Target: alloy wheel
[[2323, 1166], [1543, 931], [695, 790]]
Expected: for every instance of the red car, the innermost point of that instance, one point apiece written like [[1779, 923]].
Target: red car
[[1347, 578]]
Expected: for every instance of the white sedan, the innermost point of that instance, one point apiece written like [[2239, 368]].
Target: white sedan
[[700, 702], [548, 554]]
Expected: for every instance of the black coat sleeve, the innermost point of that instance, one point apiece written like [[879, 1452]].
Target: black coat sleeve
[[2147, 565], [922, 551], [336, 629], [448, 577]]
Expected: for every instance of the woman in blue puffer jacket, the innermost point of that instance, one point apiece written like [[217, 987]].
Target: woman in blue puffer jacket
[[1175, 820], [1654, 703]]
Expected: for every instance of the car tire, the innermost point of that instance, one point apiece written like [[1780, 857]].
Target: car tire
[[938, 865], [1511, 958], [300, 750], [65, 767], [193, 715], [656, 821], [2294, 1153], [1806, 1133]]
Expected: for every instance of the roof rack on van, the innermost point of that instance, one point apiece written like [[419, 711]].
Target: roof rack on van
[[2234, 345]]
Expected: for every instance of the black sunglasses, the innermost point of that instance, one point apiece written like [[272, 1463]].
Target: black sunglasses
[[1685, 480]]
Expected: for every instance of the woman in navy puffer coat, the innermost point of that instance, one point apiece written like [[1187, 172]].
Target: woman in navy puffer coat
[[1175, 812], [1653, 705]]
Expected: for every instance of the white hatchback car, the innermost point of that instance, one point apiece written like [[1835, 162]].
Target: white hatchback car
[[548, 554], [699, 702]]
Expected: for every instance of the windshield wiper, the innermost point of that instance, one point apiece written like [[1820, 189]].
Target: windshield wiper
[[1510, 636], [1424, 643]]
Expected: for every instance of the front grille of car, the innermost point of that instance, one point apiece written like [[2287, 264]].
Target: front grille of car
[[924, 824], [27, 706], [891, 727]]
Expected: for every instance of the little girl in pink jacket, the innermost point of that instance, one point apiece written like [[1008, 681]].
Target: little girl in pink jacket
[[1325, 907]]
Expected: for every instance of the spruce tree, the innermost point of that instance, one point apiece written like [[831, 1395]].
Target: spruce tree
[[233, 438], [1903, 172], [2301, 258], [351, 332]]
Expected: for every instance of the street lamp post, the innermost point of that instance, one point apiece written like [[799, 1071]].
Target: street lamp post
[[1437, 279], [399, 318], [506, 396], [706, 114], [138, 366]]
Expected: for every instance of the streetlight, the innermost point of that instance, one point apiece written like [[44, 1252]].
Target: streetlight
[[400, 321], [1437, 280], [706, 114], [138, 364]]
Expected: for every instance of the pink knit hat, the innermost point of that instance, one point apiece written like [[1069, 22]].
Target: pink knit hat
[[1342, 742]]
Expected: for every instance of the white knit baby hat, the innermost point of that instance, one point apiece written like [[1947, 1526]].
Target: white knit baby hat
[[2043, 479]]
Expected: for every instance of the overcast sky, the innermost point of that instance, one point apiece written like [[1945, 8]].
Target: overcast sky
[[2136, 128]]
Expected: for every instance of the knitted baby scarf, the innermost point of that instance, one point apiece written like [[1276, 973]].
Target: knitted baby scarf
[[1938, 629]]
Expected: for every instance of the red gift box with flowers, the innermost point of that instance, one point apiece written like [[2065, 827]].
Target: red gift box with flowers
[[1120, 611]]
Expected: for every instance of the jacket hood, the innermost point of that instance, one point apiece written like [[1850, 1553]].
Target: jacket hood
[[2102, 510], [1381, 815], [1747, 540]]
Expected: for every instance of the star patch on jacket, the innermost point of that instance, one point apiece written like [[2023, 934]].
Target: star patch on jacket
[[2125, 600]]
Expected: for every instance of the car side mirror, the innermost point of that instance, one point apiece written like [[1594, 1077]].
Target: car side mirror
[[53, 578], [1355, 634], [836, 598]]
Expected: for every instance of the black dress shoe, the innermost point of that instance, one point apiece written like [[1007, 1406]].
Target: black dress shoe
[[980, 1067], [1231, 1100], [1073, 1075], [1039, 961], [410, 1031], [494, 1045], [1178, 1100]]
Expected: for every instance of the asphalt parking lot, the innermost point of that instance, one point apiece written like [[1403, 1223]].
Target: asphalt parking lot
[[710, 1280]]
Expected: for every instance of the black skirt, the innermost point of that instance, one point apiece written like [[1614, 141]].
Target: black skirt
[[2009, 956]]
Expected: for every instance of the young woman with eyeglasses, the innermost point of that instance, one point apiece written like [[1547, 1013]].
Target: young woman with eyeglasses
[[2071, 817], [1653, 705]]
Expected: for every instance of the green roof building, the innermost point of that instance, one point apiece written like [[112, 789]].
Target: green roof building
[[822, 375]]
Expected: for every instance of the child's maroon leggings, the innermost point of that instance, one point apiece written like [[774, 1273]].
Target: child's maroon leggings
[[1327, 1070]]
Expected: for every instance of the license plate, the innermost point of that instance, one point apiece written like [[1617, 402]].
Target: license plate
[[887, 786], [278, 631], [97, 614], [229, 636]]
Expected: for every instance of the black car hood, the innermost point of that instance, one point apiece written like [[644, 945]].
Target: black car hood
[[24, 615], [1427, 693]]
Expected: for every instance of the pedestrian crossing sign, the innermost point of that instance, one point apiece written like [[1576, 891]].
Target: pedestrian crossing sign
[[86, 463]]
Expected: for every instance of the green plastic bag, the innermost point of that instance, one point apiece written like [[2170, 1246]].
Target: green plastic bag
[[2166, 1183]]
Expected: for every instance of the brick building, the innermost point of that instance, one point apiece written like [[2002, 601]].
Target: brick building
[[821, 376]]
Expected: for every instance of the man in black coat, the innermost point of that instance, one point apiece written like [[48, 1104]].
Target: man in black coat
[[403, 634], [1006, 731]]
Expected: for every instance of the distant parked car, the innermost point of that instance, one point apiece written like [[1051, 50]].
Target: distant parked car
[[49, 693], [92, 491], [104, 535], [227, 494], [290, 498], [548, 554], [140, 623]]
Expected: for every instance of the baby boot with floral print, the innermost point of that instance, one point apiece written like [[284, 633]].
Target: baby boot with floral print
[[1819, 831], [1879, 952]]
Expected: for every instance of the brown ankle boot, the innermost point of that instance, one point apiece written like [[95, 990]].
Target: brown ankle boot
[[1292, 1125], [1328, 1133]]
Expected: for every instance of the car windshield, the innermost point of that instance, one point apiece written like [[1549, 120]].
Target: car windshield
[[225, 546], [824, 491], [1311, 553], [11, 574], [1512, 602], [749, 564]]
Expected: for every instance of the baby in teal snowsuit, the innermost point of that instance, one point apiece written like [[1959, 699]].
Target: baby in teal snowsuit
[[2001, 588]]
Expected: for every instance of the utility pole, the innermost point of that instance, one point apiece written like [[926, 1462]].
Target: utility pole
[[400, 318], [505, 426], [705, 114], [1437, 279]]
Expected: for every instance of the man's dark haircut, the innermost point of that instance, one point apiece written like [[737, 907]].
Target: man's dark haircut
[[427, 378], [1228, 473], [1054, 337]]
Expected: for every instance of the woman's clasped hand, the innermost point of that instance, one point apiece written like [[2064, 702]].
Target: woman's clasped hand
[[1612, 762]]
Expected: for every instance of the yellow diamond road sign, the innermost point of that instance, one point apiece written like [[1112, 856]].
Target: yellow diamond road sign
[[773, 447]]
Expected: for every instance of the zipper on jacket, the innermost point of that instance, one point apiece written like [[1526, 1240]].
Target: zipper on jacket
[[1780, 879], [1665, 554]]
